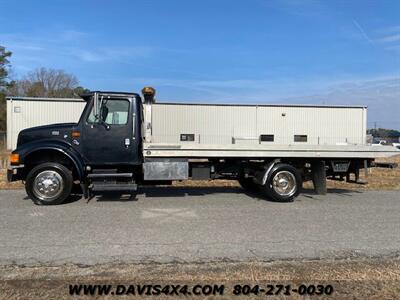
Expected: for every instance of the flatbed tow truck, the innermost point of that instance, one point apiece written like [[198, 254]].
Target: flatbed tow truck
[[117, 145]]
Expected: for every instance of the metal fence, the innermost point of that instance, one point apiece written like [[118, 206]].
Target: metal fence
[[3, 150]]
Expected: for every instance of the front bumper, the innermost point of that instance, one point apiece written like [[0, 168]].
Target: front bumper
[[15, 173]]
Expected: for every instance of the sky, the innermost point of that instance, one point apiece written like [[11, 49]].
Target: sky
[[253, 51]]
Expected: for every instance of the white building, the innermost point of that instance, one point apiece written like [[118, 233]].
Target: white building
[[258, 124], [25, 112]]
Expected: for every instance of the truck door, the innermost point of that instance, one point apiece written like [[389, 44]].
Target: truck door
[[108, 135]]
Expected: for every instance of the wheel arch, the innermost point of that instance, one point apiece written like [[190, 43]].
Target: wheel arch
[[54, 153]]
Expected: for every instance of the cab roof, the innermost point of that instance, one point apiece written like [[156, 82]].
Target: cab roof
[[87, 96]]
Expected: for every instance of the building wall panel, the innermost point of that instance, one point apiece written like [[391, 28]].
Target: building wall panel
[[227, 124], [23, 114]]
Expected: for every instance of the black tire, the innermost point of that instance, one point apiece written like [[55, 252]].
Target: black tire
[[59, 173], [248, 184], [293, 177]]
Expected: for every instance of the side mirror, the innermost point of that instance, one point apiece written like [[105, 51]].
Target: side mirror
[[98, 109], [104, 113]]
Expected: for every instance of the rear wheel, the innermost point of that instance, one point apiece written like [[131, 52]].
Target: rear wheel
[[283, 184], [49, 184]]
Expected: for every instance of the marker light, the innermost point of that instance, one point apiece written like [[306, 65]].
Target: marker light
[[14, 158], [148, 90]]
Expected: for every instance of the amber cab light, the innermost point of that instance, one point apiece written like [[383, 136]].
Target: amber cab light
[[14, 158], [76, 134]]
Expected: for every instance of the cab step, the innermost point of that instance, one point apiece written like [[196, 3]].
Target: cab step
[[110, 175], [114, 187]]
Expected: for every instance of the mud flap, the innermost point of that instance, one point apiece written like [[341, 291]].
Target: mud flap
[[319, 177]]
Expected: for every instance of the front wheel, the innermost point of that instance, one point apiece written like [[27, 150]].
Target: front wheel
[[283, 184], [49, 184]]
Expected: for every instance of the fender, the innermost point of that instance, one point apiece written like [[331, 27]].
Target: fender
[[262, 176], [60, 146], [271, 167]]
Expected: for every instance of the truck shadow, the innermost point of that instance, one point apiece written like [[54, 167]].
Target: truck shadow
[[173, 192], [204, 191], [177, 191], [310, 193], [71, 199], [115, 197], [181, 192]]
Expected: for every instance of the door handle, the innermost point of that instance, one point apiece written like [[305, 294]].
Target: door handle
[[127, 142]]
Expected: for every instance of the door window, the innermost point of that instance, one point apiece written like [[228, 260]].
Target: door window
[[112, 112]]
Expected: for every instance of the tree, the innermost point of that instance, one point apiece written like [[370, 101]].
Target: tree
[[384, 133], [44, 82], [4, 68]]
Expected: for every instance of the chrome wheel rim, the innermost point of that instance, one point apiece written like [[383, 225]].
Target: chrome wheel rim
[[48, 185], [284, 183]]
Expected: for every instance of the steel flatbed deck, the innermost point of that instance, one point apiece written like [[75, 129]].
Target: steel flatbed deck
[[194, 150]]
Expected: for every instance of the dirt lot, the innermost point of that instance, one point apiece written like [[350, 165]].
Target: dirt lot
[[357, 279]]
